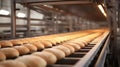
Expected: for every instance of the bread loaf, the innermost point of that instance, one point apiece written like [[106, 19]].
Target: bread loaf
[[83, 41], [64, 49], [32, 61], [46, 43], [12, 63], [38, 45], [6, 44], [81, 44], [58, 53], [31, 47], [22, 50], [24, 41], [30, 40], [76, 46], [2, 56], [52, 41], [16, 42], [72, 50], [47, 56], [57, 40], [10, 52]]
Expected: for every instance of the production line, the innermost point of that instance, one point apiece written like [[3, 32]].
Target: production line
[[49, 52]]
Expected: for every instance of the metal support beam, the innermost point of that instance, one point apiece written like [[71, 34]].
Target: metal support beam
[[70, 23], [31, 1], [13, 19], [111, 9], [52, 2], [62, 3], [115, 32], [101, 59], [54, 24], [28, 22], [57, 24], [119, 17], [55, 10]]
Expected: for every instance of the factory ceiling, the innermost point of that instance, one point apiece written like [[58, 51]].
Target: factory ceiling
[[83, 8]]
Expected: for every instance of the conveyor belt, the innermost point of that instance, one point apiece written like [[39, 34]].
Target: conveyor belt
[[80, 58], [89, 57], [72, 59], [75, 59]]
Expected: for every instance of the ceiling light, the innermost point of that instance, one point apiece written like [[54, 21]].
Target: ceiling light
[[4, 12], [102, 10], [48, 6], [21, 15]]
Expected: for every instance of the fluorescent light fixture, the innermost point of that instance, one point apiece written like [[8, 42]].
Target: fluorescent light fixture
[[49, 6], [4, 12], [21, 15], [102, 10]]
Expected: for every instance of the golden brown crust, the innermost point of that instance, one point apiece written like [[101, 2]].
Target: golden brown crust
[[6, 44], [10, 52], [47, 56], [64, 49], [24, 41], [38, 45], [16, 42], [46, 43], [70, 47], [31, 47], [76, 46], [2, 56], [32, 61], [12, 63], [58, 53], [22, 50]]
